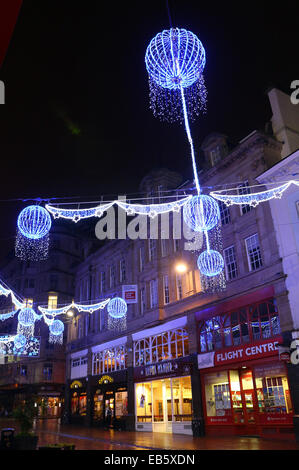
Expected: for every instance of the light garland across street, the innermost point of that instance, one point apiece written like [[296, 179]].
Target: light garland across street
[[252, 199]]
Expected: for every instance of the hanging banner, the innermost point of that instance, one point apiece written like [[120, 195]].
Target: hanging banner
[[130, 294]]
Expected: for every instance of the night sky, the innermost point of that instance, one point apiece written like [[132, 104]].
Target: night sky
[[77, 121]]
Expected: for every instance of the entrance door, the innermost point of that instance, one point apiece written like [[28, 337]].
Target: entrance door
[[243, 400], [248, 398], [109, 410]]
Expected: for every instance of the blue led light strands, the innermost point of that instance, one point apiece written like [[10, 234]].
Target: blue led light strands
[[78, 214], [229, 197], [26, 322], [152, 210], [210, 263], [80, 307], [56, 329], [117, 314], [175, 60], [201, 213], [34, 222], [117, 307], [32, 241], [19, 341]]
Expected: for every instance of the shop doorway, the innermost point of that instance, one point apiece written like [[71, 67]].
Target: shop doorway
[[244, 405], [108, 410]]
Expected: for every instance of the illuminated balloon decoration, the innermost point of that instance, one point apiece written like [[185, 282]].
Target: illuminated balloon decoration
[[117, 311], [210, 263], [26, 321], [175, 60], [56, 329], [32, 242], [19, 341], [201, 213]]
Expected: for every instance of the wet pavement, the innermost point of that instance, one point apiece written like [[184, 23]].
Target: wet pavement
[[52, 432]]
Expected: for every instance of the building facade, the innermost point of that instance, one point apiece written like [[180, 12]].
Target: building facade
[[189, 361], [47, 283]]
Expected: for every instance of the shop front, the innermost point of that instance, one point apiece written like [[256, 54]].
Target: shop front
[[245, 391], [163, 397], [110, 400], [78, 401]]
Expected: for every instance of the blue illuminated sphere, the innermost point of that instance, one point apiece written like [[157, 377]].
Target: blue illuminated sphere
[[117, 307], [34, 222], [19, 341], [210, 263], [201, 213], [56, 328], [175, 58], [26, 317]]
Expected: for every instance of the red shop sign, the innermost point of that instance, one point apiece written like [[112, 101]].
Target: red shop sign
[[247, 352]]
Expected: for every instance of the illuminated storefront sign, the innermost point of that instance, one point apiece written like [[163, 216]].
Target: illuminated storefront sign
[[163, 369], [258, 350], [76, 384], [106, 379]]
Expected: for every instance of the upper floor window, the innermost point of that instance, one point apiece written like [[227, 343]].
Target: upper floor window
[[79, 361], [166, 289], [215, 155], [179, 286], [224, 213], [142, 300], [112, 275], [109, 360], [23, 370], [164, 247], [154, 300], [122, 270], [230, 263], [253, 252], [244, 189], [53, 282], [247, 324], [141, 258], [168, 345], [48, 371], [52, 301], [103, 282], [152, 249]]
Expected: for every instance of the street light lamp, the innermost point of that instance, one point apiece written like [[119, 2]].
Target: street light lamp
[[181, 267]]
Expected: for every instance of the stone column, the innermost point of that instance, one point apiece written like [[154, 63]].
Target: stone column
[[198, 415]]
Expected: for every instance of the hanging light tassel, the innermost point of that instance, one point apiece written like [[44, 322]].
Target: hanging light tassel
[[26, 322], [32, 240], [56, 329], [117, 314]]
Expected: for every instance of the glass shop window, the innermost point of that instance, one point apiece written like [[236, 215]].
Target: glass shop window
[[217, 394], [78, 403], [144, 402], [121, 404], [98, 406], [272, 388], [182, 399]]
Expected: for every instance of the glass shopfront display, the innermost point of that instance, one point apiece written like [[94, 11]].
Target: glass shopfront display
[[248, 396], [78, 404], [167, 400], [110, 405]]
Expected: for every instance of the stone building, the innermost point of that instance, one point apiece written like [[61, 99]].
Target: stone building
[[46, 283], [189, 360]]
